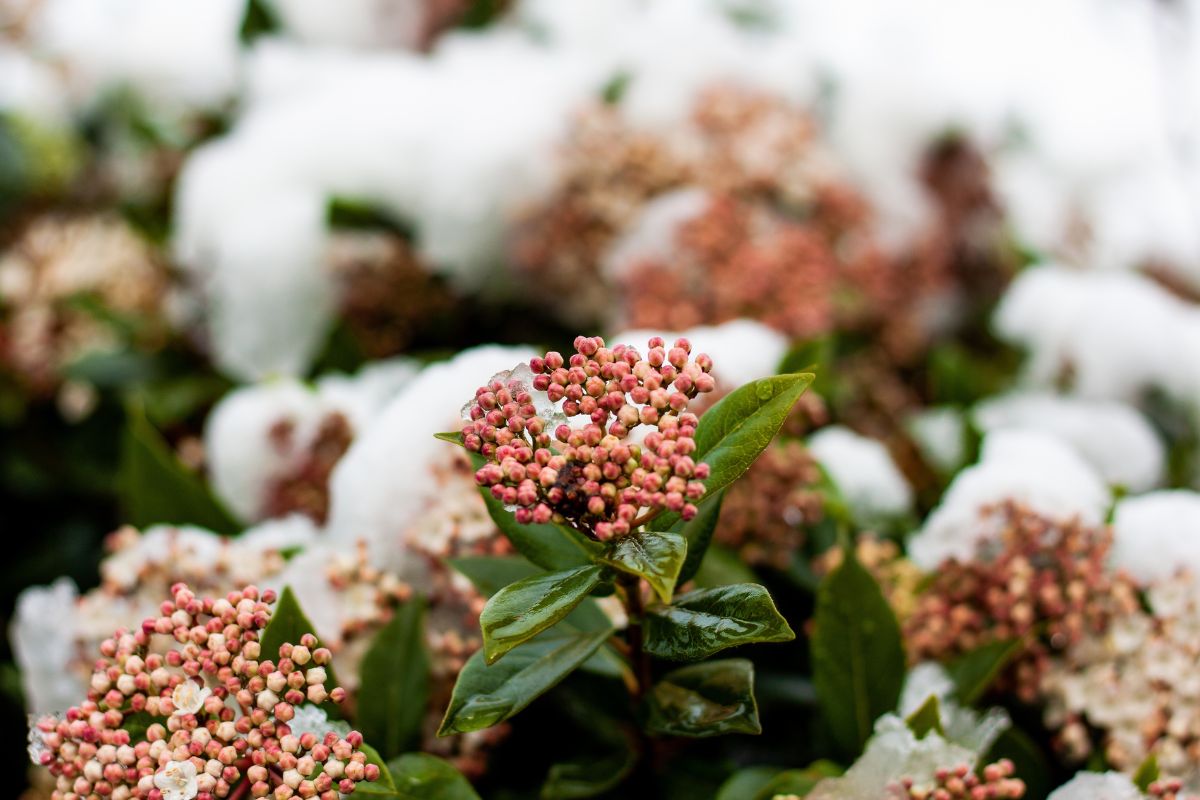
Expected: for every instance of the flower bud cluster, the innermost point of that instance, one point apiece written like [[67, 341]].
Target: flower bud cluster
[[993, 782], [595, 477], [1045, 583], [1133, 691], [202, 717]]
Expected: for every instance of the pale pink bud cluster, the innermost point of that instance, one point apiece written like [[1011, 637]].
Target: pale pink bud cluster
[[594, 476], [184, 708], [1168, 790], [995, 782]]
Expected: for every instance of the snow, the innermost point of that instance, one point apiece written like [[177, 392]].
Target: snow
[[1026, 466], [1113, 437], [742, 350], [1156, 534], [1097, 786], [864, 472]]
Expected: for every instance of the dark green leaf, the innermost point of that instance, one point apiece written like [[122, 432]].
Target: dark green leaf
[[739, 427], [522, 610], [1147, 773], [490, 574], [652, 555], [155, 487], [418, 776], [926, 718], [975, 672], [588, 776], [708, 699], [746, 783], [289, 623], [857, 654], [487, 695], [792, 781], [699, 532], [395, 676], [707, 621], [1031, 765], [550, 546], [721, 567]]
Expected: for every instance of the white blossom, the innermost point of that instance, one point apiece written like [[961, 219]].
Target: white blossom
[[188, 697], [177, 780]]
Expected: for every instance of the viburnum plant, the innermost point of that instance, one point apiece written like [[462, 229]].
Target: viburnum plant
[[601, 475]]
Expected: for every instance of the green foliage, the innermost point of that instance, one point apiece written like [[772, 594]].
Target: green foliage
[[485, 695], [926, 718], [698, 533], [708, 699], [155, 487], [415, 776], [733, 433], [490, 574], [1147, 773], [1031, 766], [857, 654], [395, 677], [766, 783], [974, 673], [654, 556], [698, 624], [589, 776], [522, 610]]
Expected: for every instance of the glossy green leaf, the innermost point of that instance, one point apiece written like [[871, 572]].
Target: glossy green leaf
[[419, 776], [522, 610], [589, 776], [857, 654], [926, 718], [733, 433], [156, 488], [484, 696], [700, 623], [553, 547], [974, 673], [699, 532], [490, 574], [1146, 774], [708, 699], [395, 676], [657, 557]]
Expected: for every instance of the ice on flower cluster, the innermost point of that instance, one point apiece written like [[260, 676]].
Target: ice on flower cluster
[[1025, 466], [187, 705], [594, 476], [898, 764]]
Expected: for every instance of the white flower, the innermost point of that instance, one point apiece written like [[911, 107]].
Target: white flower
[[177, 780], [189, 697], [311, 719]]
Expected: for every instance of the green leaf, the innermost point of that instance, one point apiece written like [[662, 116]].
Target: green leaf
[[1147, 773], [522, 610], [484, 696], [288, 623], [453, 437], [701, 700], [588, 776], [553, 547], [857, 654], [419, 776], [699, 532], [490, 574], [766, 783], [155, 487], [657, 557], [707, 621], [385, 787], [395, 676], [1031, 765], [974, 673], [926, 718], [732, 433], [721, 567]]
